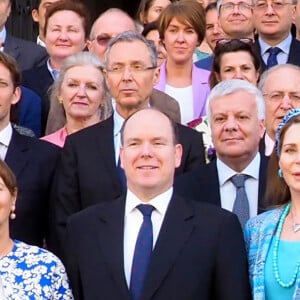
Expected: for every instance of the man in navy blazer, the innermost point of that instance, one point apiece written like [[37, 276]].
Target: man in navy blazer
[[236, 111], [196, 249], [33, 162], [89, 172]]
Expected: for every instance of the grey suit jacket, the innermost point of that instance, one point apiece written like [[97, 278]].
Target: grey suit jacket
[[26, 53], [166, 104]]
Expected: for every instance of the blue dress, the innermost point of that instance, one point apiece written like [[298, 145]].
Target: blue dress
[[29, 272]]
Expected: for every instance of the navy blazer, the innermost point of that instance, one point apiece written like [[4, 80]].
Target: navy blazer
[[199, 254], [33, 162], [203, 184], [26, 53], [40, 80], [88, 173], [293, 57]]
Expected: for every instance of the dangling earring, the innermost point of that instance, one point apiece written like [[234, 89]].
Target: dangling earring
[[280, 175], [60, 100], [12, 215]]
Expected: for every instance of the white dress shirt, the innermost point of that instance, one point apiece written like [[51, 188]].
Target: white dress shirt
[[2, 38], [284, 46], [134, 219], [228, 190], [269, 145], [118, 123], [5, 137]]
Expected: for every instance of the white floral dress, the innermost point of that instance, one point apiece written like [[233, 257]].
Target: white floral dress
[[29, 272]]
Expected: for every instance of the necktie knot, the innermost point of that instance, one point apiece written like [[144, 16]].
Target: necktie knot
[[145, 209], [274, 50], [239, 180]]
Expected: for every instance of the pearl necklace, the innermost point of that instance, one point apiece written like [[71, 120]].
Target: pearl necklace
[[275, 253]]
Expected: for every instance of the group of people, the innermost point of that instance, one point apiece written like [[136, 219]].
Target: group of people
[[117, 181]]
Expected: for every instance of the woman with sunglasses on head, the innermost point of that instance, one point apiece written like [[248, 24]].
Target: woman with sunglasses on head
[[235, 59], [26, 272], [273, 238], [181, 29]]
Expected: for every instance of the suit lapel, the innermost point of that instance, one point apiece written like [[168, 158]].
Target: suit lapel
[[16, 156], [262, 183], [212, 183], [110, 239], [176, 229], [11, 48]]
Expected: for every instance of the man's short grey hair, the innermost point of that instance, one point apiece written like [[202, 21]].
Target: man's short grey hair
[[132, 36], [264, 76], [228, 87]]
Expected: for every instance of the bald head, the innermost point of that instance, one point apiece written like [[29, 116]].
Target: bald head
[[108, 25]]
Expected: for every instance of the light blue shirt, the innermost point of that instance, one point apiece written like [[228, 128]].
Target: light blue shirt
[[284, 46]]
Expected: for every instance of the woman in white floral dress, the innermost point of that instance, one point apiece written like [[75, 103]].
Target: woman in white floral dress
[[26, 272]]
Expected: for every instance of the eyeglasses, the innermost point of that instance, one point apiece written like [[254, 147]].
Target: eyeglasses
[[276, 5], [133, 69], [230, 41], [103, 39], [242, 7], [278, 96]]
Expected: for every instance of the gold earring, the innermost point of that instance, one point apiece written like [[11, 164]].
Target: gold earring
[[60, 100]]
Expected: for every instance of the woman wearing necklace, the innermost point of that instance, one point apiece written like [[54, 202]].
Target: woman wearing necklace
[[26, 272], [273, 238]]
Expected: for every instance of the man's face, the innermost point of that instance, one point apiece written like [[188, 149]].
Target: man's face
[[277, 86], [236, 129], [8, 95], [148, 154], [38, 15], [105, 28], [273, 19], [213, 31], [5, 8], [236, 18], [128, 79]]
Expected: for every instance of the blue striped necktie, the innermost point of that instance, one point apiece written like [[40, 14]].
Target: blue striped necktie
[[272, 59]]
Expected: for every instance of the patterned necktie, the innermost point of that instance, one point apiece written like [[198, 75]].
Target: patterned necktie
[[241, 203], [142, 252], [272, 59]]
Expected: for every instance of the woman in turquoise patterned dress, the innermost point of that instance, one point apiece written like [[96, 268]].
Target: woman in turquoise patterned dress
[[273, 238], [26, 272]]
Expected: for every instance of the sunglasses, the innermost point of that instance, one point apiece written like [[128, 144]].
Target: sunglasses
[[230, 41]]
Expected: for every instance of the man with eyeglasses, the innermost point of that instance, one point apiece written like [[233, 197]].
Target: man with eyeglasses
[[273, 21], [280, 86], [90, 171], [236, 18]]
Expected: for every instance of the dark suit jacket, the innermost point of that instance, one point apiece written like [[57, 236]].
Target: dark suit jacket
[[293, 57], [199, 254], [88, 174], [203, 184], [33, 162], [39, 80], [165, 104], [26, 53]]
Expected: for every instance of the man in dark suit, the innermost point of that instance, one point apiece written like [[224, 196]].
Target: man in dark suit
[[275, 44], [26, 53], [194, 250], [89, 172], [32, 161], [236, 112]]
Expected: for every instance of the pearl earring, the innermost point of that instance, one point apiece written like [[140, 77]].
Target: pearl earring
[[12, 215]]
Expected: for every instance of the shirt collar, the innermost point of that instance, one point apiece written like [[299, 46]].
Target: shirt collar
[[6, 134], [118, 122], [160, 202], [283, 45], [51, 70], [40, 42], [3, 34], [225, 172]]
